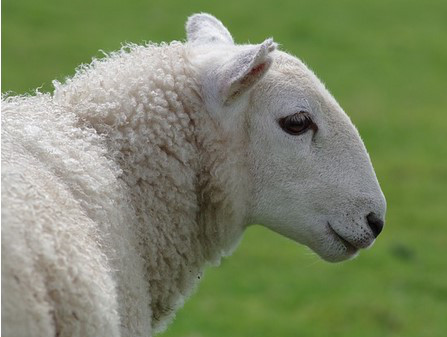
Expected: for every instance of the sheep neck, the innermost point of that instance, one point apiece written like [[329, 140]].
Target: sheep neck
[[177, 168]]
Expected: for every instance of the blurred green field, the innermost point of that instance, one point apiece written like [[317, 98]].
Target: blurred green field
[[386, 63]]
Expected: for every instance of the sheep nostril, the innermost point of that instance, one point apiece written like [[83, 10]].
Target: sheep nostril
[[375, 223]]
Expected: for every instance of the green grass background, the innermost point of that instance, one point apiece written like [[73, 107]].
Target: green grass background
[[386, 63]]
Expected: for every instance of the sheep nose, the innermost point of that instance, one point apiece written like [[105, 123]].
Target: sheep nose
[[375, 223]]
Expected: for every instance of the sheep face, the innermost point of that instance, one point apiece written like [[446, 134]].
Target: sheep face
[[312, 178], [309, 173]]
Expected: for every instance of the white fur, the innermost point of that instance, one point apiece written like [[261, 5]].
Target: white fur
[[147, 165]]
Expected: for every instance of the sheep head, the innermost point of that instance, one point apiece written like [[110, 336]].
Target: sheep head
[[310, 176]]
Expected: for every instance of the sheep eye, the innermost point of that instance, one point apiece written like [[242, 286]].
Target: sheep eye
[[297, 123]]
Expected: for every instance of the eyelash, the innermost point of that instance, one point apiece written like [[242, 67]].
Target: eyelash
[[297, 123]]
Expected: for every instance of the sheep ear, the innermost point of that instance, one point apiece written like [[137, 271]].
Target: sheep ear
[[206, 29], [238, 75]]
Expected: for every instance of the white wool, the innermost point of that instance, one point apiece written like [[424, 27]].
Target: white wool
[[120, 142], [121, 186]]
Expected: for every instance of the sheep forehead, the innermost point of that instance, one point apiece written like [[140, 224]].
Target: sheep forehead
[[290, 78], [290, 66]]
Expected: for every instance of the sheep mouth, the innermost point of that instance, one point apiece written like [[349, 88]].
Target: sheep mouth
[[350, 248]]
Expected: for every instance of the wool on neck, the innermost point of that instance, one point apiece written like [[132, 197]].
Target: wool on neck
[[178, 168]]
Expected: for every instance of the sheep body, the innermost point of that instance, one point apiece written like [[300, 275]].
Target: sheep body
[[116, 148]]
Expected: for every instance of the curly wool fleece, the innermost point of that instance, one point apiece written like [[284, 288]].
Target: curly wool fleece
[[144, 197]]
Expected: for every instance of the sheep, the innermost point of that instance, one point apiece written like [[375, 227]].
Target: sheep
[[149, 164]]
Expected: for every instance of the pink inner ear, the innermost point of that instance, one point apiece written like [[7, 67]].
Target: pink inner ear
[[240, 86], [258, 68], [254, 73]]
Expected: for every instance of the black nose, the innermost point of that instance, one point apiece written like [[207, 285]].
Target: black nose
[[375, 223]]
